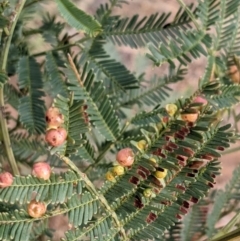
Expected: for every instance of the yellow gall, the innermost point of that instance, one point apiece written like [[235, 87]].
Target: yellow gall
[[171, 109], [161, 174], [153, 160], [110, 177], [118, 170], [147, 192], [142, 144]]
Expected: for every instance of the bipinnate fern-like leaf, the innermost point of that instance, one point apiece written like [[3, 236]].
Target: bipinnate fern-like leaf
[[39, 228], [31, 106], [151, 92], [174, 233], [222, 200], [13, 226], [224, 25], [101, 230], [51, 29], [74, 123], [104, 10], [99, 109], [221, 96], [78, 18], [55, 78], [154, 116], [135, 32], [27, 148], [193, 224], [56, 190], [11, 96], [208, 12], [190, 157], [80, 210], [116, 73], [187, 43], [86, 151]]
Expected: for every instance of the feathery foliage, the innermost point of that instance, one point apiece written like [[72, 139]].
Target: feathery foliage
[[31, 107], [78, 18], [72, 108]]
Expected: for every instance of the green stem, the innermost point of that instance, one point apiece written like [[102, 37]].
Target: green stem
[[93, 190], [4, 57], [190, 14], [231, 236], [62, 47], [229, 226]]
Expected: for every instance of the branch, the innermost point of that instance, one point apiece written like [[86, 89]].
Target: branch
[[232, 236], [3, 65], [92, 189]]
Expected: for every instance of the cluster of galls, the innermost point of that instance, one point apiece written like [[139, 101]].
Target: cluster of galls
[[40, 170], [190, 116], [125, 158], [56, 134]]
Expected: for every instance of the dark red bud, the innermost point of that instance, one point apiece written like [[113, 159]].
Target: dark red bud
[[186, 204], [145, 170], [151, 217], [194, 199], [134, 180], [183, 210], [178, 216], [178, 136]]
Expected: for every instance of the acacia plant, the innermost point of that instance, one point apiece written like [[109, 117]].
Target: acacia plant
[[109, 149]]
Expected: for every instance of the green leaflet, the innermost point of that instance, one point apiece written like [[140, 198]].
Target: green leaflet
[[222, 200], [78, 18], [57, 189], [80, 210], [118, 76], [31, 106], [101, 230], [136, 32], [99, 108], [189, 42], [55, 79]]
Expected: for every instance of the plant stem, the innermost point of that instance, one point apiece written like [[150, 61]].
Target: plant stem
[[232, 236], [61, 47], [4, 57], [190, 14], [229, 226], [92, 189]]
